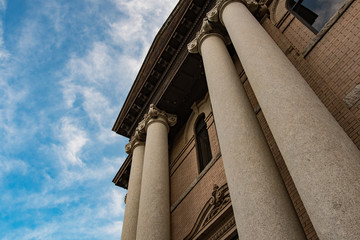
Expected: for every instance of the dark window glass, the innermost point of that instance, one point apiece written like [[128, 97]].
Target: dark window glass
[[202, 143], [314, 13]]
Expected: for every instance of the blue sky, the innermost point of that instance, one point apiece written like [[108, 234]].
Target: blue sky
[[65, 70]]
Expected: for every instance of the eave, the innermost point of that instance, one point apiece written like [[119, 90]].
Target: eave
[[170, 77], [168, 44]]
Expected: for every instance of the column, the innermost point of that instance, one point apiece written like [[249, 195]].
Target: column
[[322, 160], [262, 207], [135, 147], [154, 210]]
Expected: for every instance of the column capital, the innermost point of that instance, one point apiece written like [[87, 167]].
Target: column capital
[[157, 115], [257, 8], [138, 138], [207, 29]]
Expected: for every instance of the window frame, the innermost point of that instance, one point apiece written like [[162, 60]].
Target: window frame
[[298, 16], [201, 161]]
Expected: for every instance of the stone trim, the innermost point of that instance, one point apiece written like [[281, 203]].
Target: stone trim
[[193, 184], [228, 226], [353, 96], [216, 219]]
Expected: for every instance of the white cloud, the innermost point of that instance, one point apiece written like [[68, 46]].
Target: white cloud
[[111, 229], [12, 165], [2, 5], [71, 196], [96, 82], [72, 139], [45, 200], [90, 173], [139, 26], [3, 52], [43, 232], [10, 98]]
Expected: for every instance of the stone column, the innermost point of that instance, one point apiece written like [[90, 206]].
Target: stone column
[[135, 147], [262, 207], [154, 210], [322, 160]]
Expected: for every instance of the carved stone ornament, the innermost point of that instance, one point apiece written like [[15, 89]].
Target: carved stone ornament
[[218, 205], [156, 114], [257, 7], [215, 13], [137, 139], [220, 198], [206, 29]]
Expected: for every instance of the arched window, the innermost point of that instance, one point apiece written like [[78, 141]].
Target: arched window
[[202, 143], [314, 13]]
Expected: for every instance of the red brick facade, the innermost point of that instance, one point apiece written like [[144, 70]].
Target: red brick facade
[[331, 68]]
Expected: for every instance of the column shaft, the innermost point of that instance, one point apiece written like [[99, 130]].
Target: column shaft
[[133, 194], [154, 210], [322, 160], [261, 204]]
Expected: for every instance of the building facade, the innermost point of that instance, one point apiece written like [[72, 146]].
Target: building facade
[[244, 123]]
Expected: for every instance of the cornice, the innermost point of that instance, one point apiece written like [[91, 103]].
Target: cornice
[[160, 56], [121, 178]]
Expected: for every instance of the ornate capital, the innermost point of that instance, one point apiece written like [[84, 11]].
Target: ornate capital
[[207, 29], [156, 114], [214, 15], [257, 7], [137, 139]]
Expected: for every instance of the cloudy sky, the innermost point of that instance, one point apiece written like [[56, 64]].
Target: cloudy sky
[[65, 70]]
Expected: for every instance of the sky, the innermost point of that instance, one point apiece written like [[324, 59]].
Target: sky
[[66, 67], [325, 9]]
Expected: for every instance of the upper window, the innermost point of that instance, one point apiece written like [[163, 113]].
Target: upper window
[[314, 13], [202, 143]]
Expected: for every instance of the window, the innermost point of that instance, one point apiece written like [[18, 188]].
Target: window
[[314, 13], [202, 143]]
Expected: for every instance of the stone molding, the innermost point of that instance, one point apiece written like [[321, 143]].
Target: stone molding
[[220, 198], [230, 224], [156, 115], [218, 205]]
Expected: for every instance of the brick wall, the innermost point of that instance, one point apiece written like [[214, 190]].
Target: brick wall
[[183, 217], [332, 66]]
